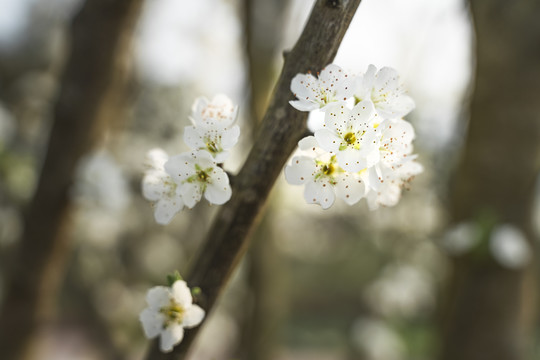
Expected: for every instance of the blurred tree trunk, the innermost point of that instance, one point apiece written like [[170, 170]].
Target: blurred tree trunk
[[100, 37], [490, 307], [264, 21]]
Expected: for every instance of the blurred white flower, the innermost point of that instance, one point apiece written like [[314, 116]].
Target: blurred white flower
[[197, 173], [509, 247], [218, 114], [169, 311], [322, 176], [377, 341], [384, 90], [332, 84], [460, 238], [100, 182], [401, 290], [351, 134], [160, 188]]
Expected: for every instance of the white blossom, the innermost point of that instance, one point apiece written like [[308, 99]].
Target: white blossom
[[217, 141], [332, 85], [218, 114], [352, 135], [323, 178], [383, 88], [197, 173], [159, 187], [169, 311], [396, 166], [509, 247]]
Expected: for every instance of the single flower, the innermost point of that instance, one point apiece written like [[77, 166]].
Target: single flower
[[169, 311], [160, 188], [217, 141], [384, 89], [197, 173], [332, 85], [319, 171], [352, 135], [220, 113]]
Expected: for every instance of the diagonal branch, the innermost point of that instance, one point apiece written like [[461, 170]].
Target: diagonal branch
[[280, 131]]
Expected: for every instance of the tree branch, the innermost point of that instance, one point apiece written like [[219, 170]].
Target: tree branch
[[280, 131]]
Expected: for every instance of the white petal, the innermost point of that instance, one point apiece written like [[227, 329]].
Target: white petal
[[171, 336], [181, 293], [302, 86], [389, 194], [220, 157], [167, 208], [386, 80], [219, 191], [363, 113], [193, 316], [301, 170], [204, 159], [351, 160], [229, 137], [328, 140], [319, 192], [308, 143], [181, 166], [191, 194], [154, 185], [303, 105], [315, 120], [155, 158], [158, 297], [193, 138], [350, 189], [152, 322], [337, 117]]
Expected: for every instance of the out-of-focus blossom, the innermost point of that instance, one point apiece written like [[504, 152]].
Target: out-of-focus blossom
[[169, 311]]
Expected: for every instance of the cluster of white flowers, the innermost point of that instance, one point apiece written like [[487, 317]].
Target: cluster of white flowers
[[363, 147], [169, 311], [182, 180]]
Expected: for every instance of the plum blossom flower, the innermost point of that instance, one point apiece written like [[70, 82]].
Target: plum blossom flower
[[220, 113], [352, 135], [332, 85], [159, 187], [323, 178], [197, 173], [216, 141], [384, 90], [397, 165], [169, 311]]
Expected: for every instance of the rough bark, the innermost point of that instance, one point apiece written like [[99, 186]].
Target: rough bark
[[99, 34], [488, 306], [281, 129]]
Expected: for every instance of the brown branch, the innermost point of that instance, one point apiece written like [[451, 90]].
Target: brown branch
[[100, 33], [280, 131]]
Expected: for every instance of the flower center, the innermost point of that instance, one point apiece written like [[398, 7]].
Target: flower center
[[173, 313], [327, 169], [350, 138], [202, 176]]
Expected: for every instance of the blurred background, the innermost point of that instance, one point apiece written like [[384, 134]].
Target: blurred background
[[447, 273]]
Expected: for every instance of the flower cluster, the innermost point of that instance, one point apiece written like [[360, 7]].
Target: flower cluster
[[363, 147], [169, 311], [181, 180]]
